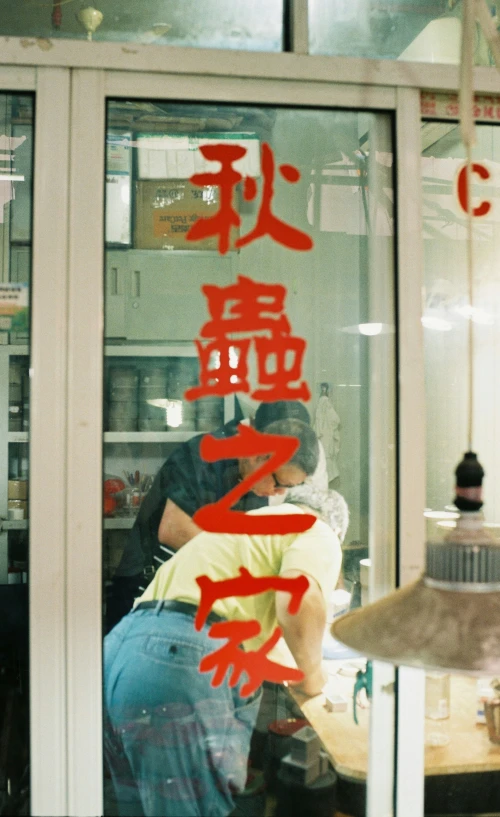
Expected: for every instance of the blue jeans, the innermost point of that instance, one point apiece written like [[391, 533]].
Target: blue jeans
[[175, 745]]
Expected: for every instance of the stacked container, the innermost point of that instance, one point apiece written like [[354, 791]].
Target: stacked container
[[209, 413], [182, 376], [122, 409], [16, 396], [26, 397], [153, 398]]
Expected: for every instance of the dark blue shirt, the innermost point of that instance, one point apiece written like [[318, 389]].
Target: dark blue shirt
[[191, 483]]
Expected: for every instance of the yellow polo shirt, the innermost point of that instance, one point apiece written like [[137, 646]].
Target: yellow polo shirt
[[316, 553]]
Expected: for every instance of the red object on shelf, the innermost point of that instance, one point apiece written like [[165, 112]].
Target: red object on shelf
[[109, 505], [56, 14], [113, 486]]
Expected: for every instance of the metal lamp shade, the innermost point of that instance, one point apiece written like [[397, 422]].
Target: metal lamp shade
[[428, 627]]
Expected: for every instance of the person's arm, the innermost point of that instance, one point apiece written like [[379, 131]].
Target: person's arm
[[303, 632], [176, 527]]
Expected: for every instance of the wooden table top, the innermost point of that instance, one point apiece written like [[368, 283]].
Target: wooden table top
[[469, 748]]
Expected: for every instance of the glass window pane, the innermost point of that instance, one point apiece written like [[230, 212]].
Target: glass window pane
[[455, 713], [16, 156], [234, 24], [279, 306], [414, 30]]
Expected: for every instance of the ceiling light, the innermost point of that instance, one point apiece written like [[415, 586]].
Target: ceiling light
[[370, 328], [475, 314], [439, 324]]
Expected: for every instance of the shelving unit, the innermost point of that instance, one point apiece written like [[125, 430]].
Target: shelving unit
[[118, 522], [148, 436], [8, 438], [124, 450], [14, 524]]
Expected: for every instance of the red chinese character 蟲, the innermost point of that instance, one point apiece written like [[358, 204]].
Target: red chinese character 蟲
[[227, 218], [249, 307], [255, 663]]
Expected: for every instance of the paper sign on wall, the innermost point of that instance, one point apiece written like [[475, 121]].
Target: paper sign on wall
[[14, 307]]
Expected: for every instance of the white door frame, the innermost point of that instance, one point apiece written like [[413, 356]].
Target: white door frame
[[47, 482], [85, 417], [67, 349]]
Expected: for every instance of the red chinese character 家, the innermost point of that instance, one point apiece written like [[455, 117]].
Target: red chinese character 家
[[255, 663], [227, 218], [256, 309]]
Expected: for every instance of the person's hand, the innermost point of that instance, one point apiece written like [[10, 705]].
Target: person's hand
[[313, 683]]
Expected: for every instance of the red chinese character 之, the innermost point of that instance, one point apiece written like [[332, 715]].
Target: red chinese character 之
[[278, 449], [254, 663], [249, 307], [227, 218]]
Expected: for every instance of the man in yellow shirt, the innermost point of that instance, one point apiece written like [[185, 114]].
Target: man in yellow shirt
[[176, 745]]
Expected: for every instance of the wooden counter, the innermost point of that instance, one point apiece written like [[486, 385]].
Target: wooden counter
[[469, 749]]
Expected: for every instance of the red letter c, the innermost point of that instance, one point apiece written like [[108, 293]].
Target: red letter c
[[462, 191]]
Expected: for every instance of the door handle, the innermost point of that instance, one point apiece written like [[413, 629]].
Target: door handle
[[113, 282], [136, 284]]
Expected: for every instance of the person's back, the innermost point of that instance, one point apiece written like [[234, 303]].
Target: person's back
[[315, 553]]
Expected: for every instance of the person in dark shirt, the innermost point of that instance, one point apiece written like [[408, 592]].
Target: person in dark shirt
[[186, 482]]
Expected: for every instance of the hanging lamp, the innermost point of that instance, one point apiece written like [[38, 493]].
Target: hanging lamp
[[449, 619]]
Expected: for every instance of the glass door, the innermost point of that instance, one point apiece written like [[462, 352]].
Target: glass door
[[16, 163], [211, 208], [456, 705]]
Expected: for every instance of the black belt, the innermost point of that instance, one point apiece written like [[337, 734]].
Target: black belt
[[177, 607]]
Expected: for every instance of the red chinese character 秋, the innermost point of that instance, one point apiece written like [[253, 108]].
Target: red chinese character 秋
[[254, 663], [277, 449], [242, 308], [227, 218]]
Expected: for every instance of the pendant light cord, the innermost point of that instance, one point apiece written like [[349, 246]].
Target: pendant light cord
[[468, 133], [470, 295]]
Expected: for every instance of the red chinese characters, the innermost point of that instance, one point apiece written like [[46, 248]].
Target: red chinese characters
[[248, 442], [255, 309], [227, 218], [254, 663]]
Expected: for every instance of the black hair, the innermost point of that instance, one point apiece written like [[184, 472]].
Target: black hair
[[280, 410], [307, 455]]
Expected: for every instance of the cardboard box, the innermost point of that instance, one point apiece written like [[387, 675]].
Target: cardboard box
[[18, 489], [165, 210]]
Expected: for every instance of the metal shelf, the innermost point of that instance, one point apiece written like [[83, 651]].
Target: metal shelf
[[11, 350], [14, 524], [148, 436], [18, 436], [118, 522], [155, 350]]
